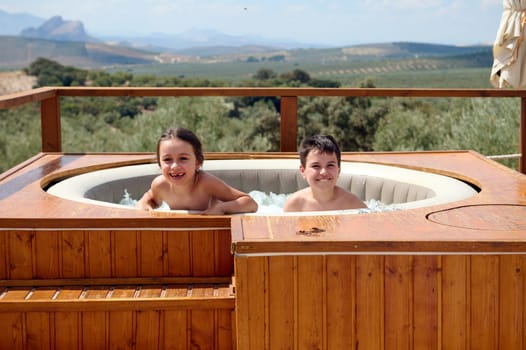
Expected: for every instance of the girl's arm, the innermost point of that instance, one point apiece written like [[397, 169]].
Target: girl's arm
[[149, 201], [226, 199]]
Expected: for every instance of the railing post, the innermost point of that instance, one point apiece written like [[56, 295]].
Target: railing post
[[289, 124], [522, 137], [50, 124]]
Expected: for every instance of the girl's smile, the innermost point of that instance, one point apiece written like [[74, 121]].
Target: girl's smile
[[177, 160]]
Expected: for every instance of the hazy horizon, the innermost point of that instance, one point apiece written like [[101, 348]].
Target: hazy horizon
[[321, 22]]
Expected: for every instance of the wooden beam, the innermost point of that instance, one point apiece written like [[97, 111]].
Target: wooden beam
[[522, 137], [50, 124], [289, 124]]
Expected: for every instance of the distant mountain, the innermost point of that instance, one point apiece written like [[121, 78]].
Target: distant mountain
[[14, 23], [68, 42], [202, 38], [56, 28], [18, 52], [411, 50]]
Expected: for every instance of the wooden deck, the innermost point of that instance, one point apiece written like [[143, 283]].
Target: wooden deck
[[446, 276]]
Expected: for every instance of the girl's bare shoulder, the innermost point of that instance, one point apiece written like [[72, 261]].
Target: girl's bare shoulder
[[159, 180]]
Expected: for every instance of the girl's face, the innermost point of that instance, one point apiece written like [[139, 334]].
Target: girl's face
[[178, 161], [321, 170]]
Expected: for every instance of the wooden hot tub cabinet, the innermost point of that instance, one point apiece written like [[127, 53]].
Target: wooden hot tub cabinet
[[449, 277], [77, 275]]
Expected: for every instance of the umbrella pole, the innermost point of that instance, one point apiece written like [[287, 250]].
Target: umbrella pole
[[522, 137]]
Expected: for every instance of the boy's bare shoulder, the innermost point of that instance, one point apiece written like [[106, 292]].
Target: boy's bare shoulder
[[295, 200], [350, 198]]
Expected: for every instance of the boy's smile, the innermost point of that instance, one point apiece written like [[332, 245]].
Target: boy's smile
[[320, 168]]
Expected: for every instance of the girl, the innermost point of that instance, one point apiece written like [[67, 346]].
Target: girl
[[183, 185]]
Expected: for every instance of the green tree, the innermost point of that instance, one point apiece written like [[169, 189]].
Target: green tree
[[297, 75], [265, 74], [488, 126], [51, 73]]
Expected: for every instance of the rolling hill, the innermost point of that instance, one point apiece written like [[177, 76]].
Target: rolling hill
[[17, 52]]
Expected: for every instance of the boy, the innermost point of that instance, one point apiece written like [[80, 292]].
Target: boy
[[320, 159]]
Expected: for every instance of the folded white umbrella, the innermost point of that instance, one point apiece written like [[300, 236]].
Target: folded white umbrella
[[509, 49]]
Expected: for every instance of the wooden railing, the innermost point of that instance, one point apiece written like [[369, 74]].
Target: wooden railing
[[49, 98]]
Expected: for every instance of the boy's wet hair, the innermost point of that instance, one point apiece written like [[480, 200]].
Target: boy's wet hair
[[320, 143], [185, 135]]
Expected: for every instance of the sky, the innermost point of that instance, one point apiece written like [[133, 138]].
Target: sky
[[325, 22]]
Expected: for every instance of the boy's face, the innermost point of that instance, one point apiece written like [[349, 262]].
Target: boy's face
[[321, 170]]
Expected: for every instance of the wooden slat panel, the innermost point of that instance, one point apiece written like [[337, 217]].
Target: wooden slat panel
[[121, 330], [224, 260], [73, 250], [177, 291], [178, 261], [426, 303], [370, 302], [150, 292], [42, 293], [282, 299], [204, 291], [12, 334], [15, 294], [98, 254], [20, 253], [125, 253], [484, 302], [69, 293], [95, 328], [250, 302], [95, 292], [46, 250], [38, 330], [224, 332], [202, 250], [151, 253], [202, 325], [123, 292], [148, 329], [512, 302], [3, 255], [175, 330], [311, 313], [455, 298], [67, 330], [398, 302], [341, 301]]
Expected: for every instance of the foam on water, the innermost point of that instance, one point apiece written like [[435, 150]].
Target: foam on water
[[272, 203]]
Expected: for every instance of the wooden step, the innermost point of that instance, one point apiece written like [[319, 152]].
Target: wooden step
[[93, 296]]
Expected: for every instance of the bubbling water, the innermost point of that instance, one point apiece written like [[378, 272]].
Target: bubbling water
[[272, 203]]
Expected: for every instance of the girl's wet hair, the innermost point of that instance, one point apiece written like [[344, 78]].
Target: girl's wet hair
[[185, 135], [320, 143]]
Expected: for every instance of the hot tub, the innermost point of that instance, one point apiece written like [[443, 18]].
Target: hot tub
[[391, 185]]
